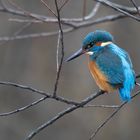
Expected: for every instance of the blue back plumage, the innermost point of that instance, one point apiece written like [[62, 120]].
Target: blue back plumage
[[116, 65]]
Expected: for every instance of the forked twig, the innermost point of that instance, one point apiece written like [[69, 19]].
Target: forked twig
[[62, 50], [111, 5], [135, 5], [48, 8], [63, 113], [111, 116]]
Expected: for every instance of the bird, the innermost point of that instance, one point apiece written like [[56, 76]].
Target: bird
[[109, 65]]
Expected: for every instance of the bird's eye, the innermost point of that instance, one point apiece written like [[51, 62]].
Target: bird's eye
[[92, 44], [89, 46]]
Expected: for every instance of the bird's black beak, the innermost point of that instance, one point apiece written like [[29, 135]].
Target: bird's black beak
[[76, 54]]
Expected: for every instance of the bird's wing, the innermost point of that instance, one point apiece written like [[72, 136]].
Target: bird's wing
[[110, 63]]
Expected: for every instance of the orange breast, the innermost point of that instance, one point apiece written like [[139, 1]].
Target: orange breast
[[99, 77]]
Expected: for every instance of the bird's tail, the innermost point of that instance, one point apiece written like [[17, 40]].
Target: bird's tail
[[128, 85], [125, 94]]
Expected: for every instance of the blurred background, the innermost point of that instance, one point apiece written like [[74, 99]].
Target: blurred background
[[32, 62]]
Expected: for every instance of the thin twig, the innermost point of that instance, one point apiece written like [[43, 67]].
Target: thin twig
[[63, 113], [111, 116], [135, 5], [62, 50], [65, 2], [44, 18], [20, 30], [48, 8], [110, 4], [102, 106], [35, 35], [137, 76], [93, 12], [57, 98], [24, 87], [23, 108], [109, 18], [63, 20], [57, 51], [14, 5], [47, 95], [84, 9]]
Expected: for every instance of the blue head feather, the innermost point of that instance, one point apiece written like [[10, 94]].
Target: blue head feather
[[97, 36]]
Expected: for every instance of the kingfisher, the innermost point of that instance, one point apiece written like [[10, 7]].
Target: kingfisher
[[110, 65]]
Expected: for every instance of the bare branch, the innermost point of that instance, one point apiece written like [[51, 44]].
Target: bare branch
[[63, 113], [109, 18], [63, 20], [135, 5], [84, 9], [23, 108], [137, 76], [65, 2], [35, 35], [57, 52], [48, 7], [102, 106], [20, 30], [110, 4], [111, 116], [47, 95], [93, 12], [14, 5], [74, 24], [62, 50]]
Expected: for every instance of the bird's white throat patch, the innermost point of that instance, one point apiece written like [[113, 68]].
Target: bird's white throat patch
[[102, 45], [105, 43], [90, 53]]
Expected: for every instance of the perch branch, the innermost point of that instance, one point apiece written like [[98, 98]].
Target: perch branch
[[63, 113], [111, 116]]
